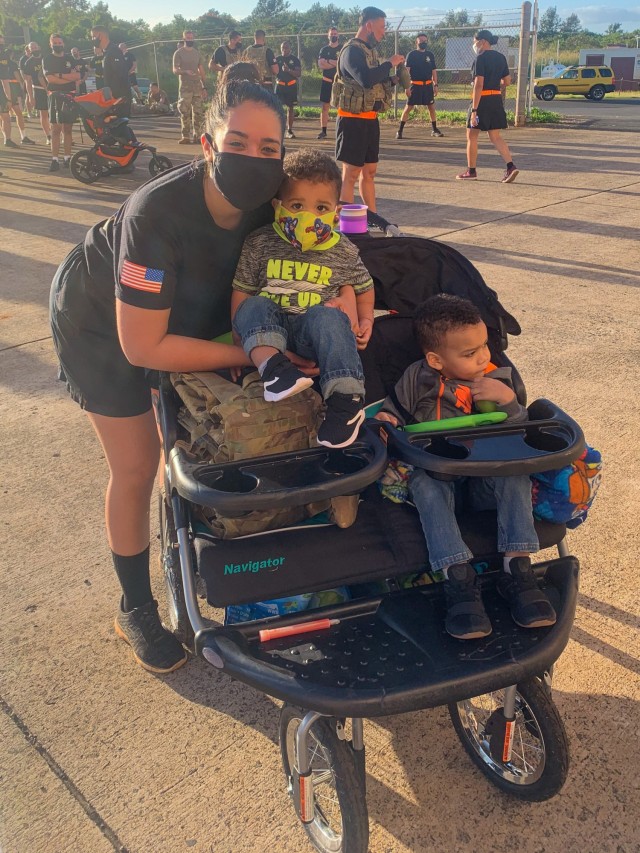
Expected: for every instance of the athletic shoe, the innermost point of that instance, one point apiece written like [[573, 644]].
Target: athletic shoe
[[55, 166], [437, 132], [510, 175], [48, 141], [9, 143], [322, 134], [281, 379], [466, 618], [342, 421], [66, 162], [184, 141], [27, 141], [154, 648], [530, 607], [398, 134], [467, 176], [290, 134]]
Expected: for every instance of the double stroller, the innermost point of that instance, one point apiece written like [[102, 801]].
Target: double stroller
[[115, 145], [386, 650]]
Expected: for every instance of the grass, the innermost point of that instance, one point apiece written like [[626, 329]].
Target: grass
[[451, 118]]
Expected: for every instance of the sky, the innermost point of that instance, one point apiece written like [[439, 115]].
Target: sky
[[596, 18]]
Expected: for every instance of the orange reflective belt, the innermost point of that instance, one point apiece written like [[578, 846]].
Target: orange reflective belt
[[421, 82], [491, 92], [290, 83], [327, 79], [370, 114]]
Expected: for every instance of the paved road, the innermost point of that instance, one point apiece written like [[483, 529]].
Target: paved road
[[609, 114]]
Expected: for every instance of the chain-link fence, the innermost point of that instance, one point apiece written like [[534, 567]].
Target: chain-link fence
[[451, 46]]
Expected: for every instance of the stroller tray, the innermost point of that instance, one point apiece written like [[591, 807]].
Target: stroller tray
[[391, 654]]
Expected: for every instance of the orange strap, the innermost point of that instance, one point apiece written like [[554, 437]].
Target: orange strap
[[290, 83], [421, 82], [491, 92], [327, 79], [370, 114]]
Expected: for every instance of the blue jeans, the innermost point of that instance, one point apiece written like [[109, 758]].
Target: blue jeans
[[435, 501], [321, 334]]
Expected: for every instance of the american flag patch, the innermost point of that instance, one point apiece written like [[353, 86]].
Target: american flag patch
[[141, 278]]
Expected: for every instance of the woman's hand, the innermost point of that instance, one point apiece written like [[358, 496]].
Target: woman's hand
[[363, 335], [305, 365], [388, 418], [492, 390]]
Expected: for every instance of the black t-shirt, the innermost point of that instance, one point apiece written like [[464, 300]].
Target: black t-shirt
[[220, 56], [13, 71], [492, 66], [163, 250], [330, 53], [116, 72], [5, 74], [33, 69], [22, 61], [64, 64], [130, 59], [286, 64], [421, 64], [81, 67], [97, 64], [353, 64]]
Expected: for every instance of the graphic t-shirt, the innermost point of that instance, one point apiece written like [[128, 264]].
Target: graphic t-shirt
[[270, 266], [330, 53], [33, 69], [97, 64], [421, 64], [64, 64], [81, 67], [5, 74], [491, 65], [287, 64]]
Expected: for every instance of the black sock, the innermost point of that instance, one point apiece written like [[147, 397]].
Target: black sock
[[402, 124], [472, 169], [434, 125], [511, 165], [324, 129], [133, 574]]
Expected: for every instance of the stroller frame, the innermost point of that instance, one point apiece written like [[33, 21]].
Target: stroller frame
[[417, 665]]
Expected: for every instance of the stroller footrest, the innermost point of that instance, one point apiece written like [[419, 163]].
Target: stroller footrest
[[391, 654]]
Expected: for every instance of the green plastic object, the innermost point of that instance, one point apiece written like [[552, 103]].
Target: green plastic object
[[463, 422], [226, 338], [484, 406]]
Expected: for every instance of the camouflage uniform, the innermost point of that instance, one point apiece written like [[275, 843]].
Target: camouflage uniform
[[190, 93]]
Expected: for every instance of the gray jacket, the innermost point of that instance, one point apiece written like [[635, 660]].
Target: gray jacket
[[428, 396]]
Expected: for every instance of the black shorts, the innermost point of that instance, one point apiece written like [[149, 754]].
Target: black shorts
[[41, 101], [325, 92], [96, 371], [357, 140], [4, 101], [288, 95], [62, 110], [421, 95], [133, 79], [491, 114], [16, 93]]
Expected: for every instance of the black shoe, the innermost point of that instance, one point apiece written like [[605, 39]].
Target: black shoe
[[9, 143], [530, 607], [437, 132], [27, 141], [154, 648], [55, 166], [281, 379], [290, 134], [322, 134], [342, 422], [66, 162], [398, 134], [510, 174], [466, 617]]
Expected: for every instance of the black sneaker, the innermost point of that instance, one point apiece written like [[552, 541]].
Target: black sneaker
[[9, 143], [66, 162], [510, 174], [55, 166], [398, 134], [290, 134], [344, 417], [437, 132], [466, 617], [322, 134], [27, 141], [154, 648], [282, 379], [530, 607]]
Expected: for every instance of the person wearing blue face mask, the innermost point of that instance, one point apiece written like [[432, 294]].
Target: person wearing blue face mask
[[300, 285], [147, 290]]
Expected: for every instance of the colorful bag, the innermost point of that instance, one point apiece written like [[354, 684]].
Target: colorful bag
[[565, 496]]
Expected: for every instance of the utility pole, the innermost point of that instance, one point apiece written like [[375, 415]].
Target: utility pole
[[523, 63]]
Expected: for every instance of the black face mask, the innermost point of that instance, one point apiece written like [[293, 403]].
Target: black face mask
[[333, 39], [372, 41], [37, 54], [422, 45], [189, 43], [247, 182], [95, 42], [58, 50]]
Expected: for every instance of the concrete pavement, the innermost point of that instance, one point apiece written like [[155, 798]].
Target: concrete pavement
[[99, 755]]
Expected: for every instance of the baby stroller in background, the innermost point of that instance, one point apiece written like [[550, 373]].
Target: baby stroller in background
[[116, 146], [385, 652]]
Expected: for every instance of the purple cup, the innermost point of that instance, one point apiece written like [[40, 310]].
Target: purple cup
[[353, 219]]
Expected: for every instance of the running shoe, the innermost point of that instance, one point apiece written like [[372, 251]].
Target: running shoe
[[55, 166], [281, 379], [437, 132], [510, 174], [66, 162], [322, 134], [154, 648], [184, 141], [467, 176], [342, 421], [398, 134], [290, 134], [9, 143], [530, 607], [27, 141], [466, 617]]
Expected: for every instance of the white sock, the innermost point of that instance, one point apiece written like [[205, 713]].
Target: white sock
[[22, 133], [67, 158], [263, 364], [55, 159], [505, 564]]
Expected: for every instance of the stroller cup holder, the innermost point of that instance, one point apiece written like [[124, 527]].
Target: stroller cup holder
[[550, 439], [282, 479]]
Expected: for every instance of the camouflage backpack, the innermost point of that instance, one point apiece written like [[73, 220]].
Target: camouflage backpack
[[226, 422]]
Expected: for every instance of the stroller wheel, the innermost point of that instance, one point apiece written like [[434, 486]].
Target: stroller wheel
[[539, 760], [158, 164], [84, 168], [340, 823]]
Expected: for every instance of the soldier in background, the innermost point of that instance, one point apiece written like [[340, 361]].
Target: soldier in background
[[228, 53], [37, 87], [424, 84], [327, 61], [132, 66], [263, 58], [30, 107], [289, 72], [82, 69], [192, 91]]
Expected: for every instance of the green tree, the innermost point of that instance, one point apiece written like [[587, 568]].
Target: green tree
[[550, 23], [572, 25], [614, 30]]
